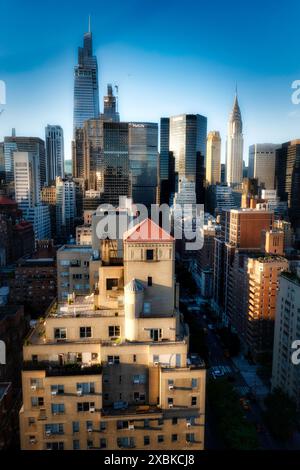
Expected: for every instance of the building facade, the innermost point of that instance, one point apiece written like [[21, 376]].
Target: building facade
[[234, 146], [285, 373], [86, 89], [213, 158], [262, 158], [143, 160], [55, 159], [138, 388]]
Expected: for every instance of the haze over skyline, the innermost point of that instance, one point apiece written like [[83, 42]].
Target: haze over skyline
[[164, 60]]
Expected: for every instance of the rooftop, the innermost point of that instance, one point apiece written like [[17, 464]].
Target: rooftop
[[77, 248], [291, 277], [147, 231]]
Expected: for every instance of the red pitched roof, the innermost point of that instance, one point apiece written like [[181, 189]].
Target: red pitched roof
[[147, 231]]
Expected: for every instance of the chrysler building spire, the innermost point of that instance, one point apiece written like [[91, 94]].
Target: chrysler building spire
[[234, 147]]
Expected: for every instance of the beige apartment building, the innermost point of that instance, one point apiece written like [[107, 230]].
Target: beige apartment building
[[73, 270], [112, 370], [285, 372], [263, 282]]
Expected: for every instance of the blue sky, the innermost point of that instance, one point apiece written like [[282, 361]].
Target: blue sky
[[167, 57]]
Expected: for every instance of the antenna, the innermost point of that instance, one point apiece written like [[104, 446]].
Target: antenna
[[89, 23]]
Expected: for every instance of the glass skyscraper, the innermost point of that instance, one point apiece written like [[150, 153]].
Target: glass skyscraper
[[34, 145], [54, 139], [86, 90], [143, 158]]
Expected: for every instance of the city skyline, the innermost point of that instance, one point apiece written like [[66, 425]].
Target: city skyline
[[187, 65]]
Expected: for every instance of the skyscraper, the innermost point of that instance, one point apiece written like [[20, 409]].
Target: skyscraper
[[106, 159], [262, 164], [166, 163], [34, 145], [187, 142], [86, 91], [213, 158], [234, 147], [54, 139], [27, 193], [143, 160], [287, 178], [65, 208], [110, 112]]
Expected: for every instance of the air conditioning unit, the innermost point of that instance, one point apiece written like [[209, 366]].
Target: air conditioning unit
[[33, 440], [131, 427], [156, 363], [92, 409], [110, 363], [54, 392], [90, 429], [171, 387], [188, 424], [48, 433], [33, 387], [171, 405], [79, 392]]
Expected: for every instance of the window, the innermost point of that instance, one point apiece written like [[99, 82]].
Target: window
[[37, 401], [155, 334], [160, 438], [170, 382], [170, 401], [60, 333], [57, 408], [194, 401], [155, 358], [76, 444], [146, 440], [85, 332], [194, 383], [89, 443], [146, 423], [190, 437], [111, 284], [103, 443], [139, 379], [160, 421], [31, 421], [85, 406], [113, 359], [149, 255], [126, 442], [149, 281], [174, 437], [57, 389], [36, 383], [89, 425], [75, 426], [54, 428], [114, 330], [85, 388], [106, 396], [103, 426], [174, 420], [134, 357], [55, 446]]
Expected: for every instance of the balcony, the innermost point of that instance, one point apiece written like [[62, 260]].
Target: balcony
[[53, 369]]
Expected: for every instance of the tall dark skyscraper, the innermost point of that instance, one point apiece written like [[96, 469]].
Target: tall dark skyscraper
[[110, 112], [54, 138], [182, 153], [106, 159], [287, 180], [143, 159], [86, 90]]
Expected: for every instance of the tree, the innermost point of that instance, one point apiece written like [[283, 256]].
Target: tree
[[280, 415]]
